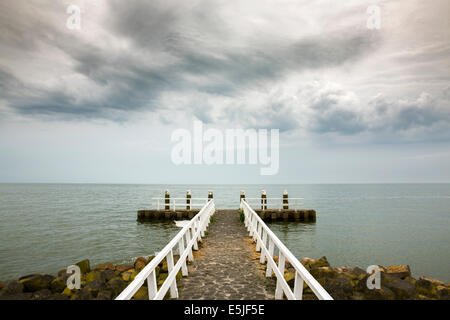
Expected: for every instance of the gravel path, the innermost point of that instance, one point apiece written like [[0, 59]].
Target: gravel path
[[226, 266]]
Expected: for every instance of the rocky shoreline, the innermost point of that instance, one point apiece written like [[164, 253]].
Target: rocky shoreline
[[106, 281]]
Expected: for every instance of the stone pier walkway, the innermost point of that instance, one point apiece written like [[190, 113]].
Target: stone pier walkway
[[226, 266]]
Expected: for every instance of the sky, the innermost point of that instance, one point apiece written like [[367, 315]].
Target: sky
[[99, 104]]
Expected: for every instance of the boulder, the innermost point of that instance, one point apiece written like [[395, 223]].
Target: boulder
[[323, 272], [124, 267], [402, 288], [67, 292], [43, 294], [95, 287], [140, 263], [401, 271], [126, 276], [443, 292], [13, 287], [1, 285], [116, 285], [310, 264], [83, 294], [384, 293], [290, 278], [105, 295], [109, 274], [141, 294], [58, 284], [36, 282], [84, 266], [105, 266], [95, 275]]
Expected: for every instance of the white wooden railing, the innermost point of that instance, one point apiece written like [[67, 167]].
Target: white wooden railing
[[262, 234], [179, 202], [274, 203], [186, 240]]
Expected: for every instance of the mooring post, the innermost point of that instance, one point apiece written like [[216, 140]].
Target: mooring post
[[188, 200], [242, 196], [167, 200], [285, 200], [263, 200]]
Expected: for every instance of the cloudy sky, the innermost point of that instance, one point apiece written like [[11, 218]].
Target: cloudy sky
[[99, 104]]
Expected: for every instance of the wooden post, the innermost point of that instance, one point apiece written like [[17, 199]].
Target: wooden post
[[263, 200], [167, 200], [285, 200], [188, 200], [242, 196]]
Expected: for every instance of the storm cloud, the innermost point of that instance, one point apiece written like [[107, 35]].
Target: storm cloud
[[225, 63]]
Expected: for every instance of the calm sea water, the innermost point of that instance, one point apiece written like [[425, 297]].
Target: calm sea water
[[46, 227]]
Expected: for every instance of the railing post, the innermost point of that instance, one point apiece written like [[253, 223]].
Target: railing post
[[152, 286], [184, 269], [193, 236], [279, 289], [264, 239], [173, 286], [242, 197], [298, 287], [258, 242], [269, 267], [188, 200], [188, 239], [167, 199], [263, 200], [285, 200]]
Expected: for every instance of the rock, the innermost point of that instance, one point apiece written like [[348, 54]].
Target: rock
[[36, 282], [116, 285], [443, 292], [67, 292], [433, 281], [84, 266], [95, 275], [14, 287], [104, 295], [43, 294], [290, 278], [1, 285], [310, 264], [140, 263], [141, 294], [162, 278], [339, 288], [323, 272], [58, 297], [5, 295], [401, 271], [62, 273], [95, 287], [109, 274], [105, 266], [83, 294], [150, 258], [124, 267], [384, 293], [126, 276], [58, 284], [403, 288]]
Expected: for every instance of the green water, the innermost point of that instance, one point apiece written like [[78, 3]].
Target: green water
[[46, 227]]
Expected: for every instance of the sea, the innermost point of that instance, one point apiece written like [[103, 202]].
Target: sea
[[46, 227]]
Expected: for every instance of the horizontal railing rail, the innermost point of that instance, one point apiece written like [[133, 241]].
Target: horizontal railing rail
[[275, 203], [160, 203], [262, 234], [186, 240]]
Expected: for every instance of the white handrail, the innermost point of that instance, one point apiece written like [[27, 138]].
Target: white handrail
[[161, 202], [261, 233], [275, 202], [190, 234]]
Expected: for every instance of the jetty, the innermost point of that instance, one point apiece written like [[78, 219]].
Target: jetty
[[225, 254]]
